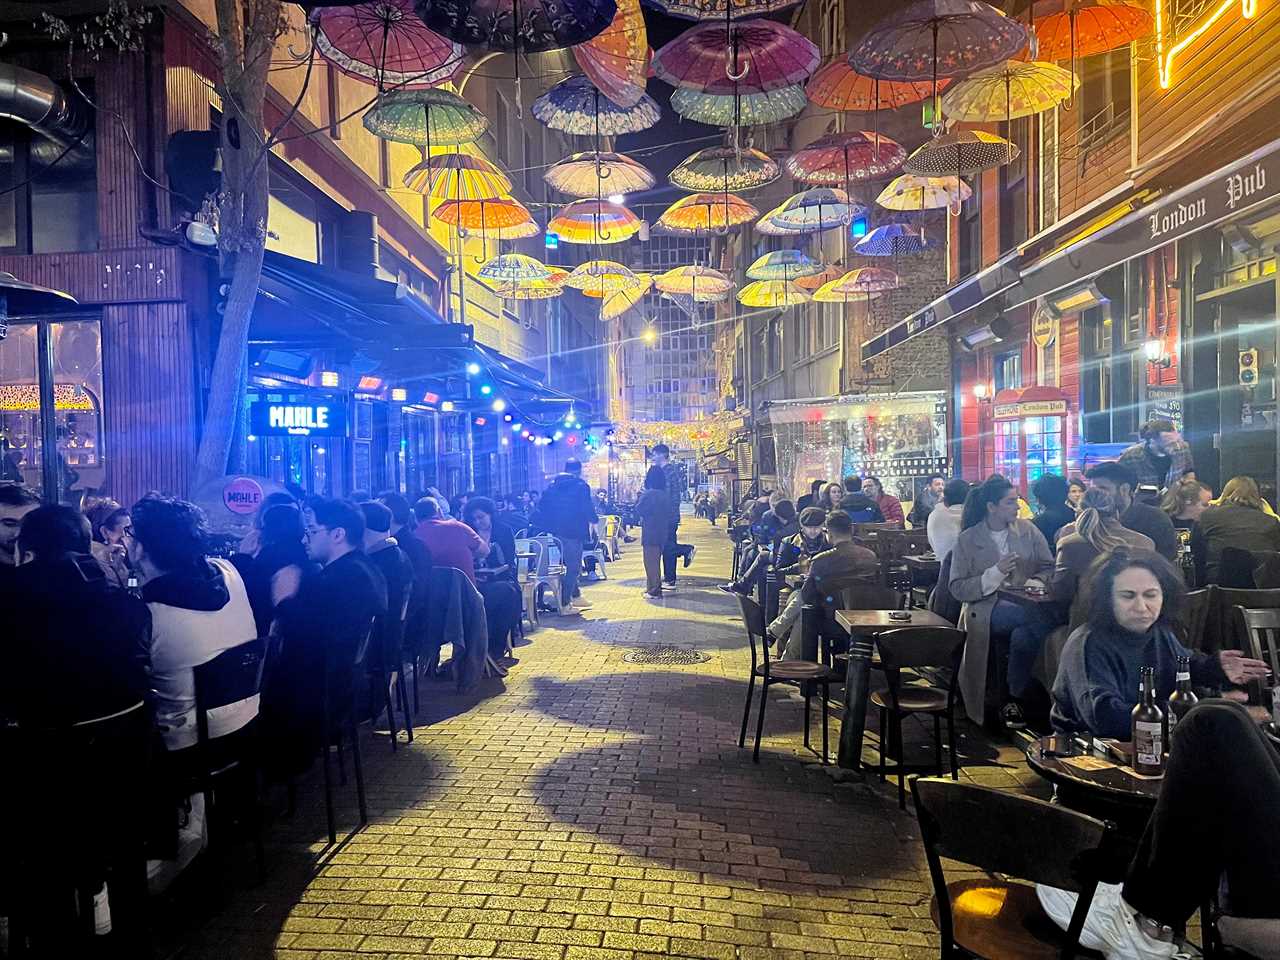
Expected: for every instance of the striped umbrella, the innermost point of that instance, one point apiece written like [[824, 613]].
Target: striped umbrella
[[457, 176], [725, 168], [617, 60], [701, 214], [772, 293], [594, 221], [745, 109], [784, 265], [594, 172]]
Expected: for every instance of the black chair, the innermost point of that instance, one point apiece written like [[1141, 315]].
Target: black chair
[[1195, 619], [344, 671], [1261, 632], [1006, 834], [232, 676], [805, 673], [1235, 569], [914, 648], [1220, 631], [385, 671]]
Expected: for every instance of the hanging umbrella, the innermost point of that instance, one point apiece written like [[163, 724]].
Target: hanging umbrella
[[617, 60], [457, 176], [842, 158], [513, 268], [784, 265], [938, 39], [503, 218], [575, 106], [754, 56], [819, 280], [618, 302], [837, 86], [832, 292], [700, 214], [553, 286], [766, 226], [526, 26], [961, 154], [868, 280], [1088, 28], [595, 278], [910, 192], [745, 109], [891, 240], [594, 221], [693, 280], [385, 42], [724, 168], [1016, 88], [772, 293], [593, 173], [719, 9], [816, 209], [425, 118]]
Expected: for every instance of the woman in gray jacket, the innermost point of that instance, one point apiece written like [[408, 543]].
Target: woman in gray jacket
[[995, 549]]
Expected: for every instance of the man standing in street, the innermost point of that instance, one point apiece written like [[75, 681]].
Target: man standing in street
[[1160, 458], [567, 510], [676, 484]]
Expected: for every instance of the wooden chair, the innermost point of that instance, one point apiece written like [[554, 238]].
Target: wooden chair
[[1007, 834], [1261, 632], [1220, 630], [910, 648], [804, 673], [1195, 621]]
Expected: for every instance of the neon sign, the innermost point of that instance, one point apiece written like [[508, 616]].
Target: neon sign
[[1167, 51]]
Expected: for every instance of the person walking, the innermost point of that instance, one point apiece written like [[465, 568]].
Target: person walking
[[654, 510], [567, 510], [675, 490]]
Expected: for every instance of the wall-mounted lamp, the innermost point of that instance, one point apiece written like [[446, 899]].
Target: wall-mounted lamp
[[980, 390], [1155, 353]]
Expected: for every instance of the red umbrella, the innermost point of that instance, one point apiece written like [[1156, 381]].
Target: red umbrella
[[841, 158], [385, 43], [750, 57], [837, 86]]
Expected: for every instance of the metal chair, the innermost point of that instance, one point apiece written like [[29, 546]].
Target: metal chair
[[612, 536], [527, 578], [342, 677], [600, 555], [550, 571]]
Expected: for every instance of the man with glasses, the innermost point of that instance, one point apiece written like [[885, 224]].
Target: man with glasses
[[16, 501]]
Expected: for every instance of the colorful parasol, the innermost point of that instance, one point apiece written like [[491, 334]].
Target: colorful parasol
[[1089, 27], [910, 192], [618, 302], [386, 43], [819, 280], [457, 176], [595, 278], [868, 280], [529, 26], [553, 286], [747, 109], [700, 214], [784, 265], [592, 173], [725, 168], [693, 280], [594, 221], [938, 39], [837, 86], [1016, 88], [814, 210], [425, 118], [832, 292], [719, 9], [772, 293], [514, 268], [842, 158], [726, 58], [617, 60], [961, 154], [892, 240], [575, 106], [505, 218], [768, 228]]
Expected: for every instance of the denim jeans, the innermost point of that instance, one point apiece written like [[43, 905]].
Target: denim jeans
[[1017, 634]]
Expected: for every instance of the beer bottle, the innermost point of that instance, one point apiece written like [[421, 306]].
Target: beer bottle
[[1147, 728], [1182, 699]]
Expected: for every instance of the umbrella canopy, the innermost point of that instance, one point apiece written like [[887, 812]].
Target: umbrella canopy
[[617, 60], [931, 39], [513, 268], [693, 280], [772, 293], [529, 26], [766, 226], [553, 286], [816, 209], [618, 302], [745, 109], [837, 86], [910, 192], [592, 173], [1089, 28], [457, 176], [429, 118], [386, 43], [818, 280], [784, 265], [842, 158], [575, 106], [1015, 88], [719, 9], [503, 218], [832, 292], [891, 240], [725, 168], [700, 214], [961, 154], [596, 278], [594, 221], [868, 280], [754, 56]]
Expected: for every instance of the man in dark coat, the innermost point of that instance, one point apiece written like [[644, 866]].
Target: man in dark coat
[[387, 650], [420, 559], [567, 510]]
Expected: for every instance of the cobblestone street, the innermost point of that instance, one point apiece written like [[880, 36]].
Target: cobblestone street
[[587, 808]]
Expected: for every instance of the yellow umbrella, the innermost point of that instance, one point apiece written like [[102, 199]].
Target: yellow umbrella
[[703, 213], [909, 192], [693, 280], [620, 301], [504, 218], [551, 286], [458, 176], [594, 221], [772, 293], [1016, 88], [595, 278], [595, 172]]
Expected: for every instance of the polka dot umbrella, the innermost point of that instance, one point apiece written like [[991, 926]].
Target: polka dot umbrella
[[594, 172], [754, 56], [703, 214], [457, 176], [891, 240], [576, 106], [617, 60], [385, 43], [594, 221], [772, 293], [725, 168], [961, 154], [843, 158], [745, 109]]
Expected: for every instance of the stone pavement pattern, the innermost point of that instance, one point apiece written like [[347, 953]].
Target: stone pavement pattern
[[586, 808]]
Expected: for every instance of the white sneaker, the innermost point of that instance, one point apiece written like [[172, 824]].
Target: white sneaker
[[1111, 925]]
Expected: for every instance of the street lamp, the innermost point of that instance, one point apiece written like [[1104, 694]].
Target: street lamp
[[649, 335]]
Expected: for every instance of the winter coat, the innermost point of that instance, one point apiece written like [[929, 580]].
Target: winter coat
[[654, 510], [455, 615], [567, 508]]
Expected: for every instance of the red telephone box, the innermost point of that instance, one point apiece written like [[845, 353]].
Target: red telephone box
[[1030, 434]]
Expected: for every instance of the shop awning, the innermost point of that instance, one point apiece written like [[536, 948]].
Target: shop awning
[[965, 296]]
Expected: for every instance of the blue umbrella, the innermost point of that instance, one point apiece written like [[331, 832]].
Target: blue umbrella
[[577, 106], [891, 240]]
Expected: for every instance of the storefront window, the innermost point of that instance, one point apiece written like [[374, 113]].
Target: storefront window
[[1007, 370]]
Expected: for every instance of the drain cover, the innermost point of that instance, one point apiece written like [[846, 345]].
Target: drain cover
[[666, 654]]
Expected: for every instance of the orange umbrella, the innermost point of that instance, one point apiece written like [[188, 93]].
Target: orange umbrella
[[505, 218], [618, 59], [700, 214], [837, 86], [1090, 27]]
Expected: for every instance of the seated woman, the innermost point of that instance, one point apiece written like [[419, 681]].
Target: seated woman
[[1185, 501], [1238, 520], [495, 572], [109, 523], [273, 572], [1136, 598], [1097, 531]]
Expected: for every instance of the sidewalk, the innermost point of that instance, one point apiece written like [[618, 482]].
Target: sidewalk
[[588, 808]]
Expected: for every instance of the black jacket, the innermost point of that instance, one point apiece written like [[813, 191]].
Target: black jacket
[[861, 508], [397, 573], [1051, 520], [567, 508], [1154, 523]]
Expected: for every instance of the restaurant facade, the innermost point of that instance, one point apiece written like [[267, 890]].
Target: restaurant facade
[[1123, 268]]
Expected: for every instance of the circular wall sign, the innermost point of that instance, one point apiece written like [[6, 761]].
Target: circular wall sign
[[242, 495]]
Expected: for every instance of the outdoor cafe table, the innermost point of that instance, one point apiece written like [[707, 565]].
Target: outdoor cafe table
[[863, 625]]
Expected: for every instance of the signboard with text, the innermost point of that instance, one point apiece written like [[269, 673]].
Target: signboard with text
[[295, 417]]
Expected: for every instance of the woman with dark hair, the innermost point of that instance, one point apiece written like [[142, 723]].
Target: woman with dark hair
[[495, 571], [654, 510], [995, 549], [275, 571], [1075, 493], [1137, 598], [813, 498], [109, 524]]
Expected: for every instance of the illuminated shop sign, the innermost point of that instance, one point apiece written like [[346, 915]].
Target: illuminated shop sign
[[298, 419], [1168, 48]]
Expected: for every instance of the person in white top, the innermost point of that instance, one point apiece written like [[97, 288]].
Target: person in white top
[[943, 526]]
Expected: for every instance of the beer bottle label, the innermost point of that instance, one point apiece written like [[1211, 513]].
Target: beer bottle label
[[1147, 744], [1182, 675]]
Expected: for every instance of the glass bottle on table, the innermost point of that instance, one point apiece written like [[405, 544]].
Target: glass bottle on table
[[1147, 728], [1181, 700]]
